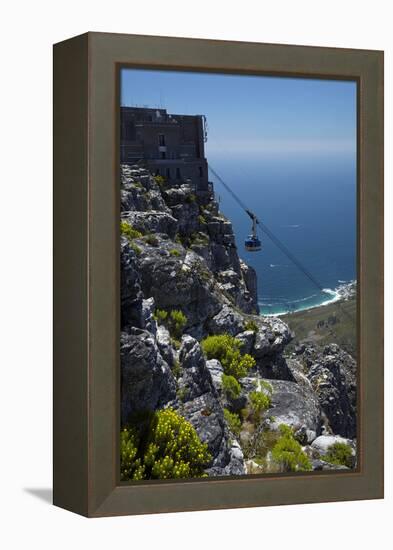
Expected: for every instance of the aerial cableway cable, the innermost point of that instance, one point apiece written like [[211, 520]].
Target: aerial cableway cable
[[281, 246]]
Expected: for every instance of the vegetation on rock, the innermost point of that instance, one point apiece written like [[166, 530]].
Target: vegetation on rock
[[151, 240], [288, 453], [128, 231], [226, 349], [175, 321], [170, 449], [260, 401], [233, 421], [230, 386], [251, 325], [341, 454]]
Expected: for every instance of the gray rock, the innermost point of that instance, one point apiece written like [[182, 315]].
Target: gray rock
[[250, 279], [318, 464], [198, 402], [323, 443], [227, 321], [196, 378], [295, 406], [149, 322], [130, 287], [147, 382], [216, 371], [275, 368], [247, 338], [153, 222], [273, 335], [332, 374], [164, 345]]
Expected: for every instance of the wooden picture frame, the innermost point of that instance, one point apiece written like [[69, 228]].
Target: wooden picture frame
[[86, 273]]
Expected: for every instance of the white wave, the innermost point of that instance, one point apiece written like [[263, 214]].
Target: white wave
[[334, 296], [293, 226]]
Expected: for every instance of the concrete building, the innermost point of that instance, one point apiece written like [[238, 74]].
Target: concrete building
[[169, 145]]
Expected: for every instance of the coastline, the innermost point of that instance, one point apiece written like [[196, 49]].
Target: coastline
[[343, 292]]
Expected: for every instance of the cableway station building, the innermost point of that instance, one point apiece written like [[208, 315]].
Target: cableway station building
[[169, 145]]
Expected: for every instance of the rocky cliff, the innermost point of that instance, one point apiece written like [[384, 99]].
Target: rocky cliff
[[183, 281]]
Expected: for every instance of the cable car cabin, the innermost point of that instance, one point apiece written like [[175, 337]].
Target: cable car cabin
[[252, 244]]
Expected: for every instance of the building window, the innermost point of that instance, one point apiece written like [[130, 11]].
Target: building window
[[178, 175], [163, 155], [200, 172], [157, 172], [168, 173], [161, 140]]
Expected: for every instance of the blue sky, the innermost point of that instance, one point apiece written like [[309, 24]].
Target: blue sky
[[254, 114]]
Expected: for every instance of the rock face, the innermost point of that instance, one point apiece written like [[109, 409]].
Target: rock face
[[147, 382], [198, 403], [297, 407], [332, 374], [179, 257]]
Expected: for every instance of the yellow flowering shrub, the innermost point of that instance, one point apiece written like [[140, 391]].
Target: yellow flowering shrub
[[170, 449]]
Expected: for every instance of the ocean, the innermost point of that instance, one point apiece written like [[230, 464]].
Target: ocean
[[309, 203]]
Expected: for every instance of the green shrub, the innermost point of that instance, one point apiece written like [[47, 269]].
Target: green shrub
[[160, 315], [190, 198], [226, 349], [201, 219], [176, 369], [152, 240], [136, 249], [176, 343], [341, 454], [174, 252], [177, 322], [288, 453], [169, 448], [198, 238], [131, 467], [259, 402], [160, 180], [174, 449], [230, 386], [251, 325], [233, 421], [128, 231], [266, 385]]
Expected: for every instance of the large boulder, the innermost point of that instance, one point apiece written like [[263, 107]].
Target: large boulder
[[147, 382], [295, 406], [272, 336], [323, 443], [227, 321]]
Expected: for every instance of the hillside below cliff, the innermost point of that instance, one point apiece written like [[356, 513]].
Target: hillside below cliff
[[193, 344]]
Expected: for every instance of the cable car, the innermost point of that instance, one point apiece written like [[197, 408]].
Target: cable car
[[252, 243]]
